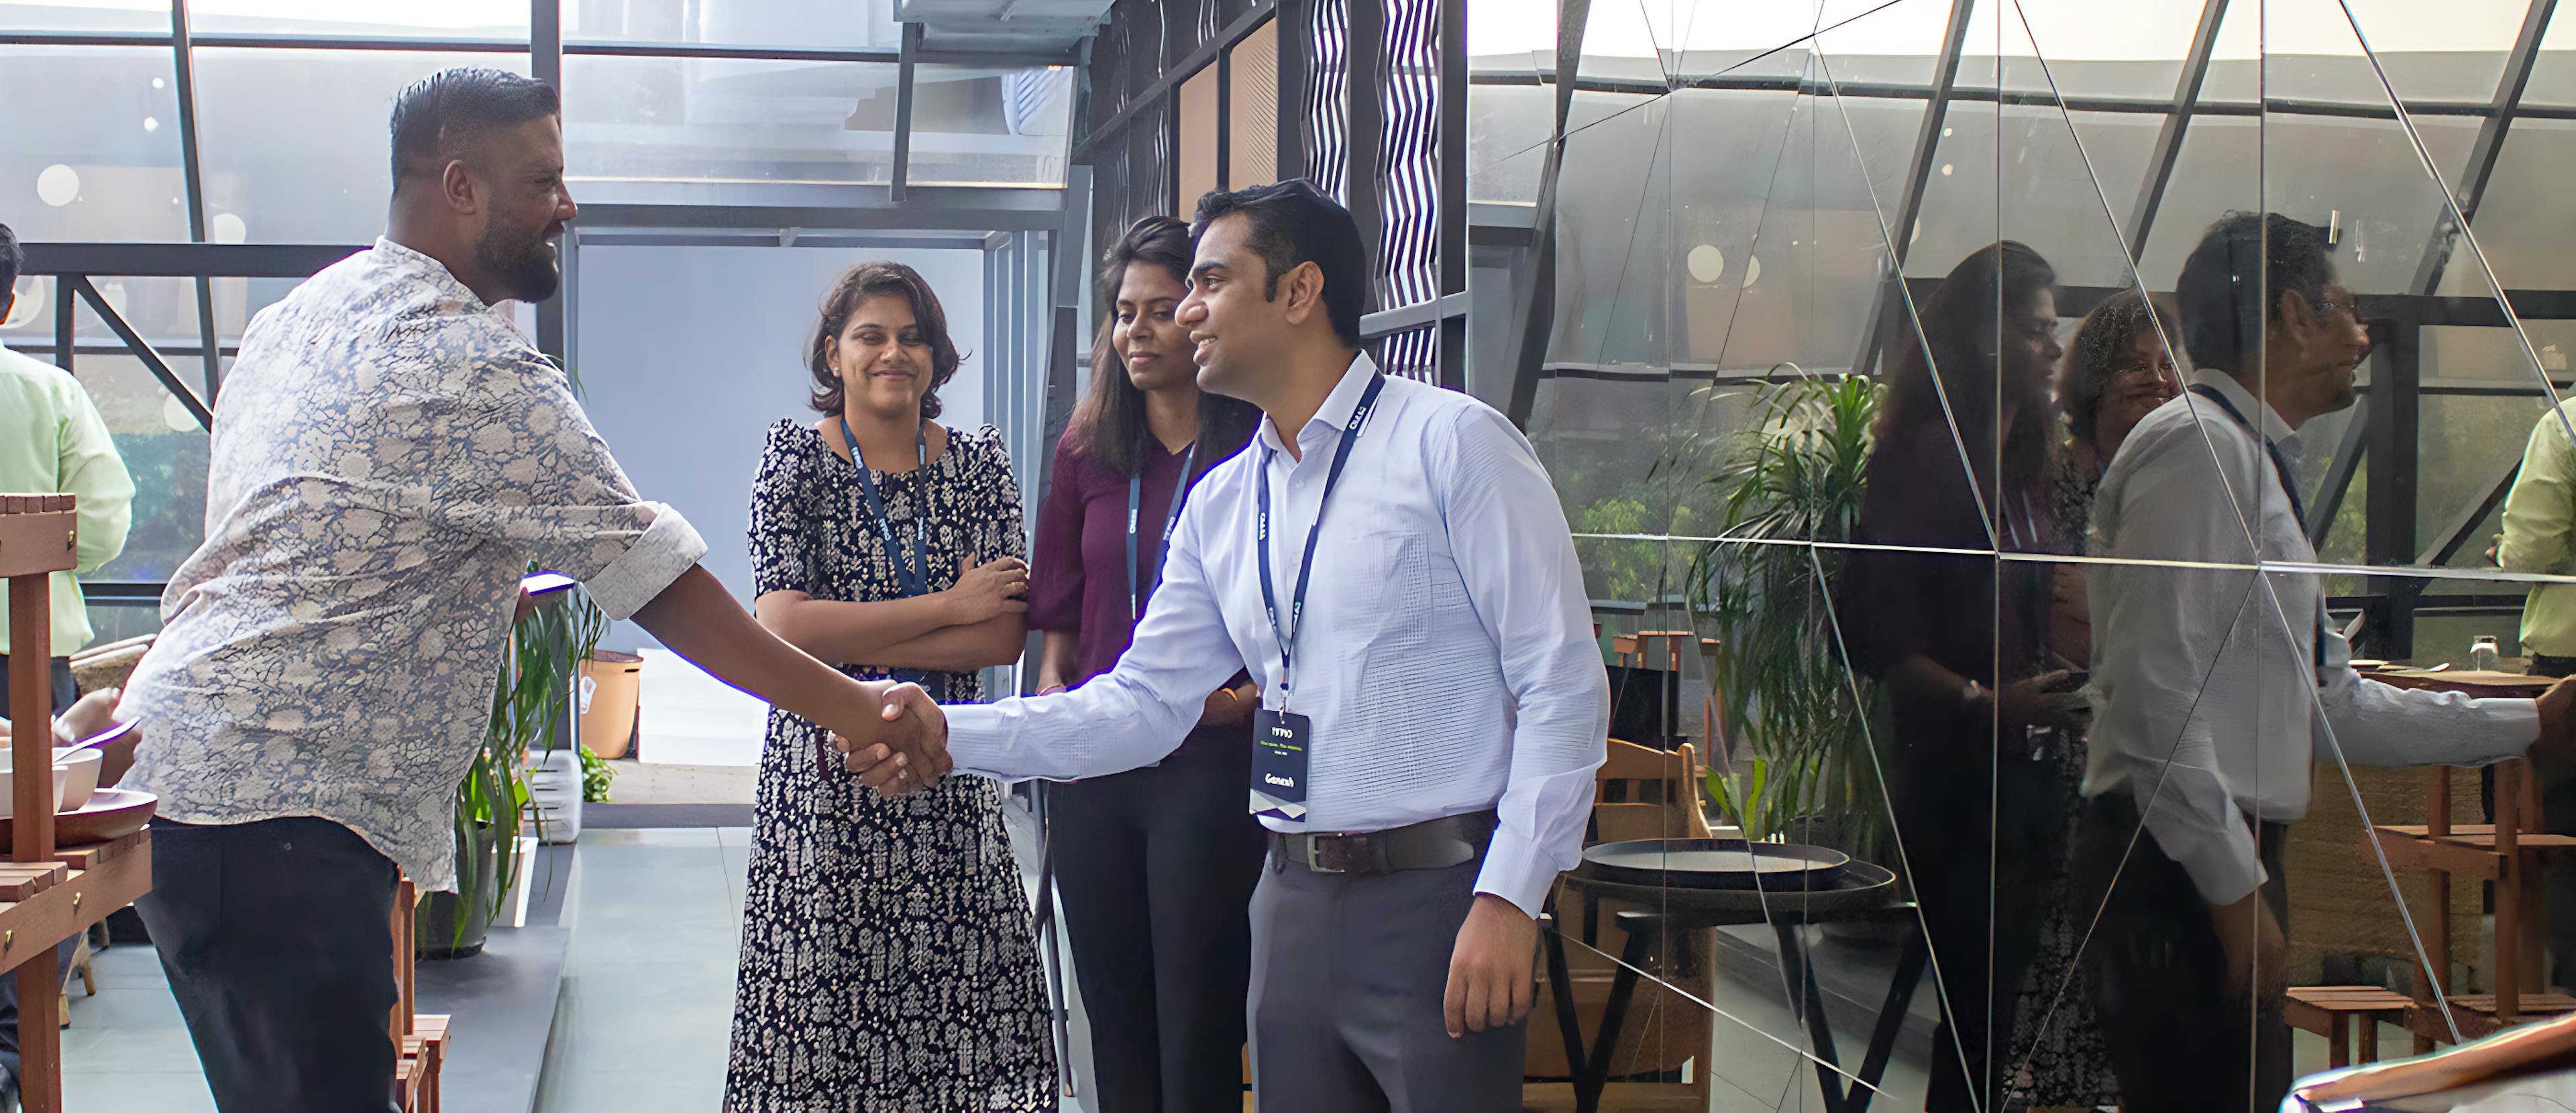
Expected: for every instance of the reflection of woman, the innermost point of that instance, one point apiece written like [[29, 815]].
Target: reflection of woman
[[887, 957], [1960, 645], [2119, 370], [1156, 866]]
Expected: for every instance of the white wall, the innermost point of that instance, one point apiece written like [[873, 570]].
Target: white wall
[[688, 354]]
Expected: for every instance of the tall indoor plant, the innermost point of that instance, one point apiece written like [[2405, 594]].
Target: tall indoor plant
[[531, 701], [1803, 768]]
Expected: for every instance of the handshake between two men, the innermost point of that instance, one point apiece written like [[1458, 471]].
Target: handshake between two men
[[904, 749]]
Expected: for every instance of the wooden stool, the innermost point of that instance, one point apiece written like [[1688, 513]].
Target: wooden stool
[[81, 966], [424, 1052], [2329, 1010]]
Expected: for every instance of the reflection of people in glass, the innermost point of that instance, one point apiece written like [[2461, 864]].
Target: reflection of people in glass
[[887, 956], [2207, 679], [2120, 368], [1155, 866], [1960, 643], [2540, 536]]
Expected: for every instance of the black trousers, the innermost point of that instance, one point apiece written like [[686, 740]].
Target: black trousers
[[64, 693], [1156, 869], [274, 936], [2179, 1041], [2557, 872], [1983, 887]]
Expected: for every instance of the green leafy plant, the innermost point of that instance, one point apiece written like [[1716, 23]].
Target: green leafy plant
[[530, 701], [1804, 768], [596, 773]]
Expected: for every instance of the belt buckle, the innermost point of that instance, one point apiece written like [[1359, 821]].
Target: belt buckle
[[1315, 856]]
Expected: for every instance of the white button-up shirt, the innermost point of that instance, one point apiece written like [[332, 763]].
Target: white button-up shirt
[[389, 455], [1446, 663], [2205, 696]]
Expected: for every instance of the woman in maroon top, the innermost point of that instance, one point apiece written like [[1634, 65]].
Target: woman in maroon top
[[1157, 865]]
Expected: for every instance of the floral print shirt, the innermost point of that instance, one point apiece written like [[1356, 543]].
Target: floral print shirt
[[389, 455]]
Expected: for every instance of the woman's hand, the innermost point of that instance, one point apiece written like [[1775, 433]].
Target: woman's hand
[[1226, 705], [2027, 702], [987, 591]]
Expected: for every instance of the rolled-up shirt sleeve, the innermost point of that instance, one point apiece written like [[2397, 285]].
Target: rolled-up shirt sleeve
[[535, 475], [1521, 573]]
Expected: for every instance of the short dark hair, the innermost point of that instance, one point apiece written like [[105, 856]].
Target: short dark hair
[[1108, 425], [440, 115], [13, 260], [2232, 283], [855, 286], [1293, 223]]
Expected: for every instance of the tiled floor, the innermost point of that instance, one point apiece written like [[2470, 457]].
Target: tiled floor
[[644, 1018]]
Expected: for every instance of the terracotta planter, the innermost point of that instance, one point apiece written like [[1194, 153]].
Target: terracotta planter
[[615, 685]]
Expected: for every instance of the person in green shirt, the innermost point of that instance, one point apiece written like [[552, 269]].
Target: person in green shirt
[[2540, 536], [53, 443]]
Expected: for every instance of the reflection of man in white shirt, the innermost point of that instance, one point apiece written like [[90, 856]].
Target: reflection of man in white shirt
[[2216, 688], [1455, 701]]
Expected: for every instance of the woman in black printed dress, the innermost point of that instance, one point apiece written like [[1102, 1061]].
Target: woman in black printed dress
[[888, 963]]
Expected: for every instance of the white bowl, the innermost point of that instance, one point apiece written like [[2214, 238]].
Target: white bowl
[[9, 789], [80, 779]]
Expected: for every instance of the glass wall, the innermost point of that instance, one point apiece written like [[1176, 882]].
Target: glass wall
[[717, 106], [1865, 394]]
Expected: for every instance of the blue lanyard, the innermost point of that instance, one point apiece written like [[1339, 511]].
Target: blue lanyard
[[1135, 495], [915, 579], [2280, 471], [1287, 633]]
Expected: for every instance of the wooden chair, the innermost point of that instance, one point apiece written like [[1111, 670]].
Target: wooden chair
[[421, 1041], [1641, 793], [2330, 1010]]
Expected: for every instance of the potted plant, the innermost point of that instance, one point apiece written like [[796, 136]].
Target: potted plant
[[530, 702], [1802, 767]]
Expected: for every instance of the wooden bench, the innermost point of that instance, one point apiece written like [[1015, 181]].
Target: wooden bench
[[2329, 1011]]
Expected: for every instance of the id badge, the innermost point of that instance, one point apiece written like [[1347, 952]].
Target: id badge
[[1279, 741]]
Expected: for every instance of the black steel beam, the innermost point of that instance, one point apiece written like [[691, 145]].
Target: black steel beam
[[2339, 473], [1918, 177], [879, 55], [64, 345], [1453, 247], [2394, 458], [1224, 131], [909, 61], [1536, 303], [142, 350], [2413, 309], [2454, 534], [1189, 67], [193, 177], [2488, 147], [185, 260], [545, 63], [1364, 123], [2168, 148], [1296, 48]]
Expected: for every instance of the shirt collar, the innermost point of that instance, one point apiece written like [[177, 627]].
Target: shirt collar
[[2275, 430], [416, 265], [1336, 410]]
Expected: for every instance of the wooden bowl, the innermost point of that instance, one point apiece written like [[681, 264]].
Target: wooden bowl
[[112, 813]]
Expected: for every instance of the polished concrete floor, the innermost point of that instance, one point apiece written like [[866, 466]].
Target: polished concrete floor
[[643, 1018]]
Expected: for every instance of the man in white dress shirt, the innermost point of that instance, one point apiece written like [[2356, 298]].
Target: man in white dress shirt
[[2216, 687], [1434, 704]]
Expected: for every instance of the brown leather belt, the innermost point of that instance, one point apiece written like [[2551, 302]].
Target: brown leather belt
[[1429, 845]]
